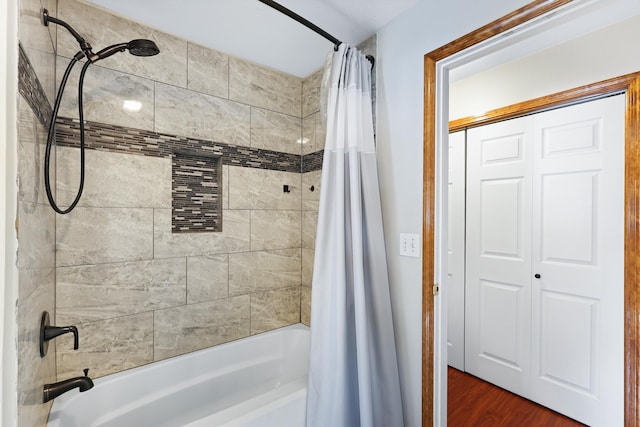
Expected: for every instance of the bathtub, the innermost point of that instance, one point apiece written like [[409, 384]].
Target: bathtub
[[260, 381]]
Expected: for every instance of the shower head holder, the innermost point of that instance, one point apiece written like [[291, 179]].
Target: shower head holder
[[85, 46], [137, 47]]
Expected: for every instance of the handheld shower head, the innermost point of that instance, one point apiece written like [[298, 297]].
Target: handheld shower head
[[137, 47], [142, 47]]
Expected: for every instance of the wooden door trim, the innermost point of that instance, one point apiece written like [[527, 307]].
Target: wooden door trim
[[580, 94], [632, 255], [630, 84]]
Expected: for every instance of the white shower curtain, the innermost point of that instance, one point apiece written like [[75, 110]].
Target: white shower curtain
[[353, 372]]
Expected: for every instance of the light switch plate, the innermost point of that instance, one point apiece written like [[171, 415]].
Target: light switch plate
[[410, 245]]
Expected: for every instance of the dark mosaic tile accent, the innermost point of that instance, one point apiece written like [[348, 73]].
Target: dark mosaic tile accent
[[312, 162], [30, 88], [104, 137], [196, 200]]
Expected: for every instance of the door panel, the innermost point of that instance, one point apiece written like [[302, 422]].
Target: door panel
[[544, 258], [501, 216], [577, 324], [498, 286], [500, 305], [568, 327], [568, 203], [456, 255]]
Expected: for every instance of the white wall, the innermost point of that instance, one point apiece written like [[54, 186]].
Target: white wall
[[402, 45], [600, 55], [8, 197]]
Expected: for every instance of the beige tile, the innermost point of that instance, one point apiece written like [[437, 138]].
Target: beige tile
[[275, 229], [225, 187], [34, 371], [311, 93], [36, 236], [309, 134], [274, 309], [32, 280], [263, 271], [52, 7], [31, 151], [321, 132], [234, 236], [311, 199], [101, 235], [207, 278], [251, 188], [102, 29], [309, 225], [275, 131], [44, 64], [208, 71], [96, 292], [107, 346], [369, 46], [314, 129], [263, 87], [104, 93], [196, 326], [305, 305], [31, 33], [133, 181], [197, 115], [307, 266]]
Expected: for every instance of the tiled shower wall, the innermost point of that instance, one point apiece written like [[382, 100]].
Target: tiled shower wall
[[138, 292], [35, 220], [313, 133]]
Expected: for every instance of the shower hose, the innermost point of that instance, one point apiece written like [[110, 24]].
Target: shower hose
[[51, 134]]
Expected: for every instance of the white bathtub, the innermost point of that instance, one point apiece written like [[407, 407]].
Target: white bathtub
[[258, 381]]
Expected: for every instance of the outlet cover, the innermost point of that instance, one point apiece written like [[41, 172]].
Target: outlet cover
[[410, 245]]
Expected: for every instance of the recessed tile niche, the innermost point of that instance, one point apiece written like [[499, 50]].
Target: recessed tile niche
[[196, 196]]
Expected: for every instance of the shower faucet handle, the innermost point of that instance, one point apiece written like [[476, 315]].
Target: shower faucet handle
[[51, 332], [48, 332]]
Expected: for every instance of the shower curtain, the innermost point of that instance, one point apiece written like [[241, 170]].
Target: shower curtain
[[353, 372]]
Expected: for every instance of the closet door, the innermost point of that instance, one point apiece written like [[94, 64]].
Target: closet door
[[498, 280], [578, 254], [455, 252]]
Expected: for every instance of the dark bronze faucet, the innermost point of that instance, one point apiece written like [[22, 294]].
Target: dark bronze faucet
[[48, 332], [51, 391]]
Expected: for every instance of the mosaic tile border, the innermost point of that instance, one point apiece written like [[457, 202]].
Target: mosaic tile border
[[196, 175], [103, 137], [312, 162], [196, 193], [139, 142], [30, 88]]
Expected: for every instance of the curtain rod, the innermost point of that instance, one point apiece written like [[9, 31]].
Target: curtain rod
[[291, 14]]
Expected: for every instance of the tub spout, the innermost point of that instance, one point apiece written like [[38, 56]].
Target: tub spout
[[51, 391]]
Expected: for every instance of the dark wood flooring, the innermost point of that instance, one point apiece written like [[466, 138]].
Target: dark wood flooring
[[474, 402]]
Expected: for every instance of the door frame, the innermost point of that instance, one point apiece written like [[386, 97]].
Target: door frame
[[432, 209]]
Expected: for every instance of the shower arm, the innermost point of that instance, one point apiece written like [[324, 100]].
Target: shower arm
[[85, 46]]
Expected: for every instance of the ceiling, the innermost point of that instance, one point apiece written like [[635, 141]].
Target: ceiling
[[251, 30]]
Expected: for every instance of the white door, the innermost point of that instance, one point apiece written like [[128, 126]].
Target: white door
[[498, 274], [545, 251], [456, 237], [578, 254]]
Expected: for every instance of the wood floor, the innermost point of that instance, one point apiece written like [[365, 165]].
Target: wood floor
[[473, 402]]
